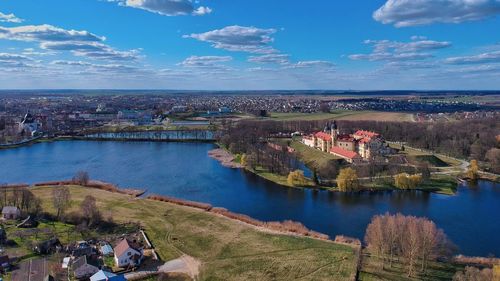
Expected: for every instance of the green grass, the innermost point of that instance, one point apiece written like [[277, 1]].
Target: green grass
[[313, 158], [443, 184], [431, 160], [26, 238], [279, 179], [228, 250]]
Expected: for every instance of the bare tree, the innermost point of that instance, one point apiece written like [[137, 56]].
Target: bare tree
[[61, 199], [413, 239], [81, 178], [89, 210], [474, 274]]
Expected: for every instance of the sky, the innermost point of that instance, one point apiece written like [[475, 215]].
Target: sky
[[250, 45]]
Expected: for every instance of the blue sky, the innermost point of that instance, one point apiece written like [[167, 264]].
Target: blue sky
[[226, 45]]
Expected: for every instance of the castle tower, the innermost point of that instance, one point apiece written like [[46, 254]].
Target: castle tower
[[334, 131]]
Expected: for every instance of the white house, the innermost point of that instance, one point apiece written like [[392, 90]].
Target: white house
[[128, 253], [11, 213]]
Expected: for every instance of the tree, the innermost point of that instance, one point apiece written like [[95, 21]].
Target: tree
[[244, 160], [416, 240], [347, 180], [406, 181], [493, 156], [296, 178], [61, 199], [89, 210], [81, 178], [472, 172], [474, 274]]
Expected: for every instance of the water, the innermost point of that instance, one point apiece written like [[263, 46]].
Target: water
[[184, 170]]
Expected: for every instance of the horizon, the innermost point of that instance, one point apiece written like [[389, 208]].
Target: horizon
[[186, 45]]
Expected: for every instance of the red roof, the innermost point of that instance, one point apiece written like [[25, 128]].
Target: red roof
[[365, 140], [323, 136], [345, 138], [343, 153], [124, 245], [367, 134]]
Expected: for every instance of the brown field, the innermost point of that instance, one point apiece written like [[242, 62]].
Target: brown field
[[379, 116]]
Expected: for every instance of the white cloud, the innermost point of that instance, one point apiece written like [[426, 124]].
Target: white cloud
[[238, 39], [386, 50], [166, 7], [490, 57], [271, 58], [312, 64], [46, 33], [8, 60], [80, 43], [204, 61], [10, 18], [404, 13]]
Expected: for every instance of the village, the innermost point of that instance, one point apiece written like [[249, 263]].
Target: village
[[38, 247]]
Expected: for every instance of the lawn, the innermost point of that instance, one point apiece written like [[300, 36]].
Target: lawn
[[228, 250], [312, 157]]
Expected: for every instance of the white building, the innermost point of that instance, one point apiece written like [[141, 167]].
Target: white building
[[128, 253]]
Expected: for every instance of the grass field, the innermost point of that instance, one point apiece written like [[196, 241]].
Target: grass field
[[371, 271], [279, 179], [310, 156], [228, 250], [343, 115]]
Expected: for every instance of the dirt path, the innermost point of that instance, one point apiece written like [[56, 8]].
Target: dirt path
[[185, 264], [224, 157]]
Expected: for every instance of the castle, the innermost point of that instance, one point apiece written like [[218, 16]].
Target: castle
[[351, 147]]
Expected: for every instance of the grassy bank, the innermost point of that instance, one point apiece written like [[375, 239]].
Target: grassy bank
[[279, 179], [228, 250], [442, 184], [312, 157]]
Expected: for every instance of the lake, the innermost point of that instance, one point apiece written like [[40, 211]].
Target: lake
[[185, 171]]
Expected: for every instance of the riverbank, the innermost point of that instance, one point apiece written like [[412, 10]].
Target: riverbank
[[225, 158], [228, 249]]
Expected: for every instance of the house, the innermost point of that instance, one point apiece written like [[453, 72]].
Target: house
[[128, 253], [102, 275], [11, 213], [82, 270], [48, 247]]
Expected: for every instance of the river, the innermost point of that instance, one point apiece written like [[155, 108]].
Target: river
[[184, 170]]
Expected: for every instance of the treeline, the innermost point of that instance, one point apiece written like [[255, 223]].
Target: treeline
[[410, 240], [251, 139], [468, 139]]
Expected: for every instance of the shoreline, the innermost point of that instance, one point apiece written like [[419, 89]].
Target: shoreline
[[277, 228]]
